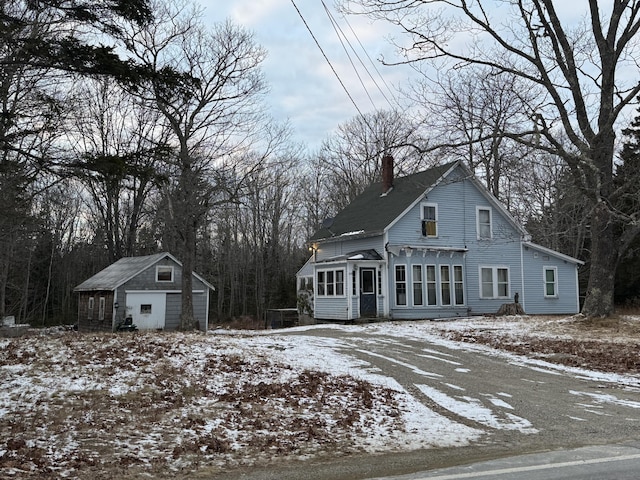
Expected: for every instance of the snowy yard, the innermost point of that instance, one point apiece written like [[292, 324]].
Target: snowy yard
[[145, 404]]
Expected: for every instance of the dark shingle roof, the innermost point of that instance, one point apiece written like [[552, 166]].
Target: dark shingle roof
[[370, 212], [119, 272]]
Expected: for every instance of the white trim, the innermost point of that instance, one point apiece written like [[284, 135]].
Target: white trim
[[395, 286], [165, 268], [413, 281], [161, 291], [494, 279], [548, 251], [484, 207], [556, 284], [344, 283], [422, 219]]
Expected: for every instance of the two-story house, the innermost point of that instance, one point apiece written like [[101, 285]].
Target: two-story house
[[435, 244]]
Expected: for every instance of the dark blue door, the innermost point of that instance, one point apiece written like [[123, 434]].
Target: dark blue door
[[368, 306]]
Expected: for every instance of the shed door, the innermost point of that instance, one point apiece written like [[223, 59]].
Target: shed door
[[147, 309]]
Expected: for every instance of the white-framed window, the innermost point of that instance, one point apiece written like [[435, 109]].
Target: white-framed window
[[445, 285], [330, 283], [416, 279], [101, 307], [550, 282], [90, 304], [432, 296], [429, 219], [484, 223], [164, 273], [458, 285], [401, 285], [494, 282]]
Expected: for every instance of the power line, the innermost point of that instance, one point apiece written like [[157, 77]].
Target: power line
[[326, 58], [340, 34]]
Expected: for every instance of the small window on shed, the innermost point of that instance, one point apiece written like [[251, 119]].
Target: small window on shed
[[90, 308], [145, 309], [164, 274]]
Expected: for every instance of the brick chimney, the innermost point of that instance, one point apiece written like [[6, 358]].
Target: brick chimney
[[387, 174]]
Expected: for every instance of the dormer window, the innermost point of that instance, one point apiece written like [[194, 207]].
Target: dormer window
[[429, 217], [164, 273]]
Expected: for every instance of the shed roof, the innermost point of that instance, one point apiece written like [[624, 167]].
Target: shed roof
[[371, 212], [125, 269]]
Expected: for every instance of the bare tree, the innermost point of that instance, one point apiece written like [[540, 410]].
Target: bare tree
[[118, 143], [352, 155], [579, 68], [207, 89]]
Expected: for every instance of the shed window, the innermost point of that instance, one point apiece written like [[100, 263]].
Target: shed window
[[101, 307], [90, 304], [164, 274], [145, 309], [550, 281]]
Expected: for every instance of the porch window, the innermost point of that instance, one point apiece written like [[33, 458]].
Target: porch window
[[429, 220], [431, 285], [483, 220], [401, 285], [418, 299], [164, 273], [550, 281], [445, 284], [494, 282], [458, 284], [331, 283]]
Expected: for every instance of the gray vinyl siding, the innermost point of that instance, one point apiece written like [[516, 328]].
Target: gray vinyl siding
[[535, 302], [174, 308]]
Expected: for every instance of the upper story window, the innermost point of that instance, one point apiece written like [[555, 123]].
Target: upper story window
[[429, 217], [484, 222], [164, 273]]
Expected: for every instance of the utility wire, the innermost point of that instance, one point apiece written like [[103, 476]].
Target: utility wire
[[374, 67], [340, 34], [326, 58]]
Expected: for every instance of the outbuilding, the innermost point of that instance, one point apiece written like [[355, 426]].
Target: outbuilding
[[146, 288]]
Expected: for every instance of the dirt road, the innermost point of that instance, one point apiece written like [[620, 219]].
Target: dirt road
[[519, 406]]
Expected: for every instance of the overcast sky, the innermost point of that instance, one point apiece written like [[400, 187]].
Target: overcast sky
[[304, 89]]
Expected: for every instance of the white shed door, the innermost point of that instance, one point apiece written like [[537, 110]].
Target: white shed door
[[147, 309]]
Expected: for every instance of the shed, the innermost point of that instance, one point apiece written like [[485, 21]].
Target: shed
[[147, 288]]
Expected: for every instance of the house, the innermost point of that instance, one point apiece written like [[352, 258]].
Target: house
[[147, 288], [435, 244]]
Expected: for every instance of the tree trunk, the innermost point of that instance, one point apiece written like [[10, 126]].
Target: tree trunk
[[604, 253]]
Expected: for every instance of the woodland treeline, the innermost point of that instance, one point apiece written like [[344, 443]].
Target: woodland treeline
[[131, 127]]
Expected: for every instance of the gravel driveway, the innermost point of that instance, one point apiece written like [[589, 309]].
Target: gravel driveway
[[521, 406]]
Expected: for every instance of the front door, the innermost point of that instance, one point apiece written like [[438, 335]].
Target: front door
[[368, 306]]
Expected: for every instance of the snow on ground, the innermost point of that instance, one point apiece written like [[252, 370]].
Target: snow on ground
[[105, 405]]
